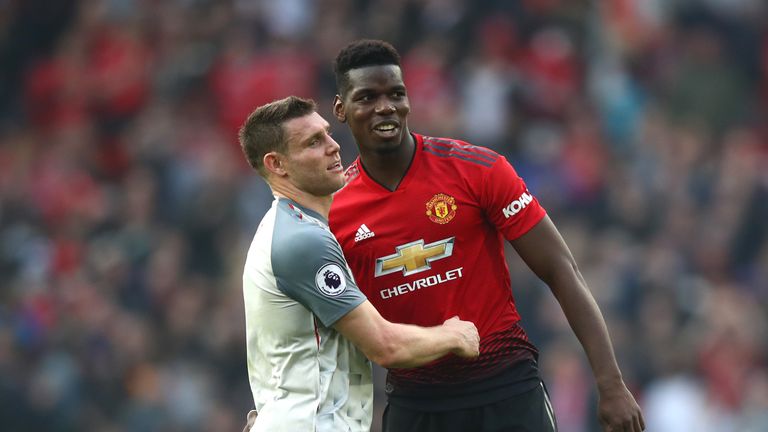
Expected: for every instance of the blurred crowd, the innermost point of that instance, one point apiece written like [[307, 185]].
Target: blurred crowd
[[126, 207]]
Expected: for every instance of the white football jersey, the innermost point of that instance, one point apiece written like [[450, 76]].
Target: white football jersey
[[304, 375]]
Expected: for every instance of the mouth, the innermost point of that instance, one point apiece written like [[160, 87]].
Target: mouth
[[387, 128], [336, 167]]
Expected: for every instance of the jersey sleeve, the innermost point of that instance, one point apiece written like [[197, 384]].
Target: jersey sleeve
[[310, 268], [508, 203]]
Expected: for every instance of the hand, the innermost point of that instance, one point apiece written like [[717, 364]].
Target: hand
[[468, 337], [250, 419], [618, 411]]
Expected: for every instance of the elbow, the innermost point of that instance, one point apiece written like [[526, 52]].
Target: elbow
[[388, 353], [385, 361], [387, 357], [565, 271], [573, 267]]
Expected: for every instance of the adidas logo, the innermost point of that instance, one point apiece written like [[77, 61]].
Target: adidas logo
[[363, 233]]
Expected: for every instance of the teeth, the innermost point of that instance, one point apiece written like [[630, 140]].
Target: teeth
[[385, 127]]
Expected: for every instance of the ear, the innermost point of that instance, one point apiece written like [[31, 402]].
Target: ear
[[273, 163], [338, 109]]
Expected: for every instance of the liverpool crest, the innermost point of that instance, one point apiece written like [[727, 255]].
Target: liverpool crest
[[441, 208]]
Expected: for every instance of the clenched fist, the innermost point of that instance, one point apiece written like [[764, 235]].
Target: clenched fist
[[468, 345]]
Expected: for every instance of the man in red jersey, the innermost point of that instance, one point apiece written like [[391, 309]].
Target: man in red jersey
[[422, 222]]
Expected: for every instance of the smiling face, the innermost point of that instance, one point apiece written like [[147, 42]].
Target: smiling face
[[311, 162], [375, 105]]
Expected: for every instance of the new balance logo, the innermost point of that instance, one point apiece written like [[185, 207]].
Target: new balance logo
[[515, 206], [363, 233]]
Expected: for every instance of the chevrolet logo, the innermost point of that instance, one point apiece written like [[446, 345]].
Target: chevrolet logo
[[414, 257]]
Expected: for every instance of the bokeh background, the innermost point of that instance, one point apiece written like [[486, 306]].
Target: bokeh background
[[126, 206]]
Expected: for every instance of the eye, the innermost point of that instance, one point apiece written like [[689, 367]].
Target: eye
[[367, 97], [399, 94]]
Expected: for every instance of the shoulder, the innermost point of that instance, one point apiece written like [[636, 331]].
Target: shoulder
[[459, 152], [298, 237]]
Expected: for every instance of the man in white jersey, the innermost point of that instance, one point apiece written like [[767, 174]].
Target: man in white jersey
[[309, 328]]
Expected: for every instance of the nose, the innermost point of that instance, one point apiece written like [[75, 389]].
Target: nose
[[333, 146], [385, 107]]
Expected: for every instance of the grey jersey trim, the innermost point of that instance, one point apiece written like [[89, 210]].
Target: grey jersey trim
[[309, 265]]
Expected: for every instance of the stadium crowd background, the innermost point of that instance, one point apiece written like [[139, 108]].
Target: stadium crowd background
[[126, 206]]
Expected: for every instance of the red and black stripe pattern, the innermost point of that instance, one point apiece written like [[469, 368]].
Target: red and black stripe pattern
[[443, 147], [498, 351]]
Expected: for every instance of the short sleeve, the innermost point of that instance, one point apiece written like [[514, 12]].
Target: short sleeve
[[508, 203], [310, 268]]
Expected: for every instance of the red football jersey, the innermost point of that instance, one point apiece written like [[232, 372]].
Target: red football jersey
[[434, 248]]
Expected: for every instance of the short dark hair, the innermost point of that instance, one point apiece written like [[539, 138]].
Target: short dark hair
[[263, 131], [362, 53]]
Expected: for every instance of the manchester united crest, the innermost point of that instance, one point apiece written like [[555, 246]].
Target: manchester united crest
[[441, 208]]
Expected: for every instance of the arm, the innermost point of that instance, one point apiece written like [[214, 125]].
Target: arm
[[394, 345], [324, 286], [545, 252]]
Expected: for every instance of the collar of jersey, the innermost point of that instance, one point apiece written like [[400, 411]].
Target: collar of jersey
[[409, 174], [301, 209]]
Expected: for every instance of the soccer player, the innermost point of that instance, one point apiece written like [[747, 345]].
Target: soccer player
[[422, 222], [308, 326]]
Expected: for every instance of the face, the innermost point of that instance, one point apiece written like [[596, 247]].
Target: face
[[312, 162], [375, 107]]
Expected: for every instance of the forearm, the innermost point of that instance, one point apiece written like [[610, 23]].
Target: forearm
[[411, 346], [587, 323], [394, 345], [617, 408], [546, 253]]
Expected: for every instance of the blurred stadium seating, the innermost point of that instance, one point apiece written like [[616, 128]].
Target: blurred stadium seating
[[126, 207]]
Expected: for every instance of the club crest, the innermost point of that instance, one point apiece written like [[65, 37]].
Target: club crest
[[441, 208]]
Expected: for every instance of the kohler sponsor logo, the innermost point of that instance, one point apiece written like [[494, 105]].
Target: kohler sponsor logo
[[515, 206]]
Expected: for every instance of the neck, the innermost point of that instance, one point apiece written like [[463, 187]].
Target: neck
[[320, 204], [389, 168]]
